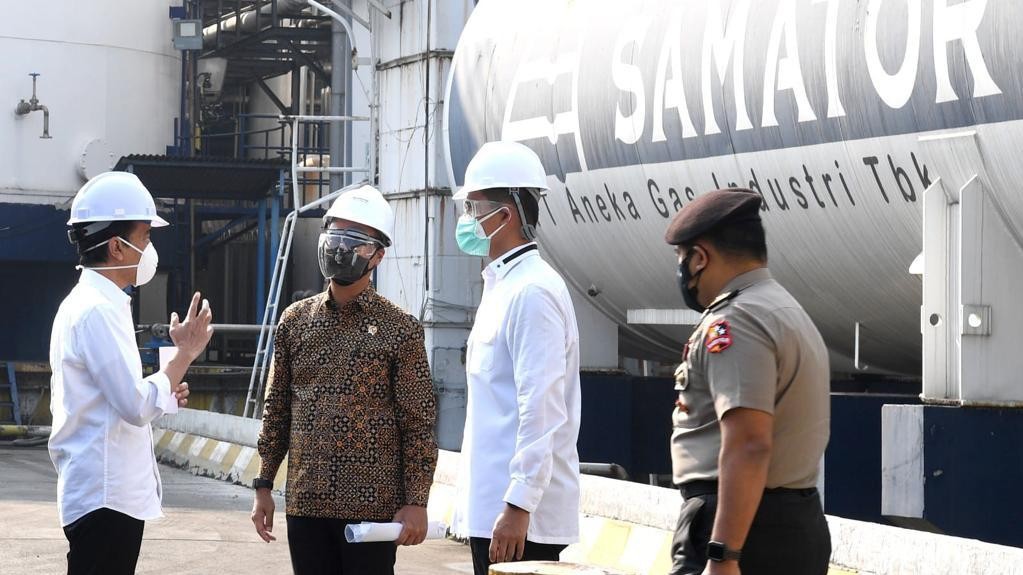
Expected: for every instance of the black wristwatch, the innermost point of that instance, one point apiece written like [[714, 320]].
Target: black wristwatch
[[260, 483], [717, 552]]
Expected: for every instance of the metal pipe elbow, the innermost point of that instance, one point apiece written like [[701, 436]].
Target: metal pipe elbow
[[46, 121]]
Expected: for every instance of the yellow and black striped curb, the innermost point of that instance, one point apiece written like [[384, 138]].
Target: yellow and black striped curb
[[604, 542]]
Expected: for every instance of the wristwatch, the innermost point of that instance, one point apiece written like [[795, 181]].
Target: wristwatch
[[260, 483], [717, 552]]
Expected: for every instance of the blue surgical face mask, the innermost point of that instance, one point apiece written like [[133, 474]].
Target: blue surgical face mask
[[471, 237]]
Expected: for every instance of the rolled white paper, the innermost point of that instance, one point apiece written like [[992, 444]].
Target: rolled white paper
[[373, 532]]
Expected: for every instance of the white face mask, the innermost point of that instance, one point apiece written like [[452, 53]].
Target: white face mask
[[145, 270]]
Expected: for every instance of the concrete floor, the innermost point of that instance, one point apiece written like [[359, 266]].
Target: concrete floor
[[206, 529]]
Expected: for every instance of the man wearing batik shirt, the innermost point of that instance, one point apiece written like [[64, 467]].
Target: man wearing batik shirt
[[351, 403]]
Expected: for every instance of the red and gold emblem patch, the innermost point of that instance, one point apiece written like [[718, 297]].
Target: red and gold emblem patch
[[719, 337]]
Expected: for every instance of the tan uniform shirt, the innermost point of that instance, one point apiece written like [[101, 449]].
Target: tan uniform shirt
[[755, 349]]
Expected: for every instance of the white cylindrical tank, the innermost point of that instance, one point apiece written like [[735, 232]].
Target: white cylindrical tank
[[108, 75], [823, 106]]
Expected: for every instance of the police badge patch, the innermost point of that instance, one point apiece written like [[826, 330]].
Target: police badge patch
[[718, 338]]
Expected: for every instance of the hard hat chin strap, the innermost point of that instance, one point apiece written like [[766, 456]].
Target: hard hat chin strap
[[528, 231]]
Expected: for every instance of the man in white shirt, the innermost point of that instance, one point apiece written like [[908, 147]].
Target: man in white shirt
[[101, 444], [519, 481]]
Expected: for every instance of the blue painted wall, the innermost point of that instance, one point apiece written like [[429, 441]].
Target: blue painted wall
[[627, 420], [30, 233], [37, 270], [973, 470], [852, 462]]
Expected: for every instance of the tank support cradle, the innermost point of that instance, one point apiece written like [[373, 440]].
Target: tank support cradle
[[972, 313], [970, 427]]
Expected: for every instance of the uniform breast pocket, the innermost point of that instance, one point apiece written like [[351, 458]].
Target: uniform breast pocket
[[480, 355], [694, 404], [682, 376]]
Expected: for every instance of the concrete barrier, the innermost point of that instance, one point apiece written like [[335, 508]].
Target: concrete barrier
[[625, 527], [242, 431]]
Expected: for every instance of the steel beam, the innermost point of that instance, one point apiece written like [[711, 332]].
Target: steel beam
[[273, 97]]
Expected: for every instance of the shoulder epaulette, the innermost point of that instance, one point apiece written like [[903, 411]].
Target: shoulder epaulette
[[722, 299]]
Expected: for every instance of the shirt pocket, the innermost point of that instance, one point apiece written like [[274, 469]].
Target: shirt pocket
[[695, 406], [482, 340]]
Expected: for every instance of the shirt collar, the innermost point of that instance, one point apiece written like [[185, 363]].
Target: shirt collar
[[363, 300], [743, 281], [104, 286], [509, 259]]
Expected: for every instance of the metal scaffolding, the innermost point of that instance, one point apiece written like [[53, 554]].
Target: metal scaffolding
[[300, 167]]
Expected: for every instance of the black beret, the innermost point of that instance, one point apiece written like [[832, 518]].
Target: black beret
[[710, 210]]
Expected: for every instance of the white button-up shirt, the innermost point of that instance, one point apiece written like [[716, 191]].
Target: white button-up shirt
[[101, 442], [522, 420]]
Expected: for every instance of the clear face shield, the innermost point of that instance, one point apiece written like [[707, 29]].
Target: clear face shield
[[344, 255]]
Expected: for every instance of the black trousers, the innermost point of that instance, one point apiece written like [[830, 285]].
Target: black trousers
[[480, 548], [104, 542], [789, 534], [318, 547]]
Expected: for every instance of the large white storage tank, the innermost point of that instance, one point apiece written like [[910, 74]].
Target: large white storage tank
[[108, 72], [839, 113]]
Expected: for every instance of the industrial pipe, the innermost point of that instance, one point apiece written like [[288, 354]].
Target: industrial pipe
[[612, 470], [24, 108], [163, 329], [340, 20], [247, 19], [24, 431]]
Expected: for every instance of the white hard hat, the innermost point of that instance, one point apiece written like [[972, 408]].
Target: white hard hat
[[504, 165], [114, 196], [366, 206]]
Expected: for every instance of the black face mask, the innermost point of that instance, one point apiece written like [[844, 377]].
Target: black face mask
[[352, 269], [684, 279], [339, 260]]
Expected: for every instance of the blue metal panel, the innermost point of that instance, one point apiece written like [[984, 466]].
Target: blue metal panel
[[275, 217], [973, 471], [12, 390], [261, 260], [214, 236], [605, 432], [31, 292], [224, 211], [627, 420], [34, 233], [852, 463]]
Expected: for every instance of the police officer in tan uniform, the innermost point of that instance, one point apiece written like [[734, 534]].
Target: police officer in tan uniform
[[752, 417]]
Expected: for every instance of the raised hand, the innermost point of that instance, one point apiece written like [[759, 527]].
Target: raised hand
[[192, 335]]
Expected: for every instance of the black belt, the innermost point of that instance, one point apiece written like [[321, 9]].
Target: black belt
[[710, 486]]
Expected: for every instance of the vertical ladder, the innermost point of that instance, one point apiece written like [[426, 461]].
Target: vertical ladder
[[12, 392], [264, 346]]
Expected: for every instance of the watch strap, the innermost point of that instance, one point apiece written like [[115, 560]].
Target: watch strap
[[718, 551]]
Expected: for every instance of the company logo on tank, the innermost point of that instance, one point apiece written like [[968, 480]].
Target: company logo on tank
[[678, 81]]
